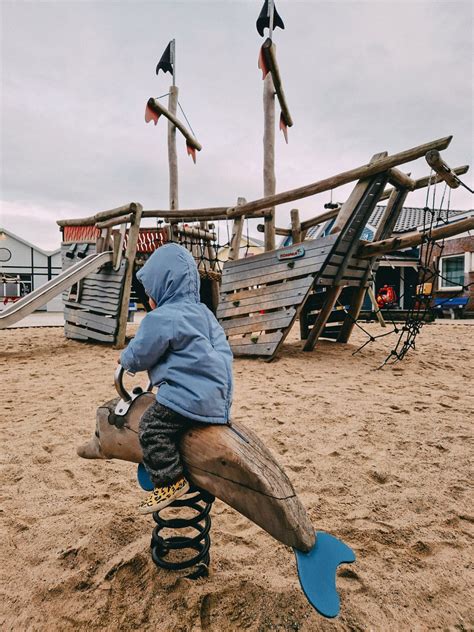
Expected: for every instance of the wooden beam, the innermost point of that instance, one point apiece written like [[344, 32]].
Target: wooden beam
[[130, 253], [319, 219], [204, 214], [400, 179], [341, 178], [391, 214], [269, 54], [421, 183], [414, 238], [158, 108], [98, 217], [283, 232], [173, 155], [433, 158], [295, 226], [355, 197], [196, 232], [269, 180], [115, 221]]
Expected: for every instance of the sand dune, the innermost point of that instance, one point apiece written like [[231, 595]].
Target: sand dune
[[380, 458]]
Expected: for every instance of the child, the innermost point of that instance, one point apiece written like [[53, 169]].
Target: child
[[186, 354]]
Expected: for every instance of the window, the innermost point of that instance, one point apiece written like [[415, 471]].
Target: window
[[14, 287], [452, 272]]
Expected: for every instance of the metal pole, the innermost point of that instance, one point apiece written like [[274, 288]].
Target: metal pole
[[270, 17]]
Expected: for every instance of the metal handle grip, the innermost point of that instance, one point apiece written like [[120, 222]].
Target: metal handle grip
[[120, 388], [118, 382]]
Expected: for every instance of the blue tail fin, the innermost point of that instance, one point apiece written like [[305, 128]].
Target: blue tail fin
[[317, 572]]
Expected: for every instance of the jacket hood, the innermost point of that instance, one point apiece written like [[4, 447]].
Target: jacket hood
[[170, 275]]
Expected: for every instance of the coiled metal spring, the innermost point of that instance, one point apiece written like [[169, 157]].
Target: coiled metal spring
[[200, 502]]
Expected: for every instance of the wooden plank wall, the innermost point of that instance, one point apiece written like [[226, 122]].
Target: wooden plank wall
[[261, 295], [94, 316]]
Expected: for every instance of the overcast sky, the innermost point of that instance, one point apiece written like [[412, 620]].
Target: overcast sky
[[360, 77]]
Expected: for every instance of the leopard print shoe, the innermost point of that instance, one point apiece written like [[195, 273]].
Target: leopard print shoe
[[163, 496]]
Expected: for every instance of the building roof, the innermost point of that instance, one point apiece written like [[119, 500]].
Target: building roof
[[47, 253], [411, 217]]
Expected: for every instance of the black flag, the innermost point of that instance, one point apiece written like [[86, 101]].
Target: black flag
[[166, 63], [263, 20]]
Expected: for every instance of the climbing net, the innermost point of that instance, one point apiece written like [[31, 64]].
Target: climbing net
[[209, 243], [422, 308]]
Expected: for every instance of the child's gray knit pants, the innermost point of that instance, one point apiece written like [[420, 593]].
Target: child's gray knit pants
[[159, 433]]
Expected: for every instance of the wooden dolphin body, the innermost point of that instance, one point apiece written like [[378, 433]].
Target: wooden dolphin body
[[230, 462]]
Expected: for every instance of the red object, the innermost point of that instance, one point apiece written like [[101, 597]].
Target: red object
[[149, 239], [386, 296], [80, 233], [151, 115], [261, 64], [191, 151], [284, 127]]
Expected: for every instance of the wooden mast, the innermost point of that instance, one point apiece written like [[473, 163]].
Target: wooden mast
[[269, 178], [172, 152]]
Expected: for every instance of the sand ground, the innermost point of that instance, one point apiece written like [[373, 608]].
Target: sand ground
[[380, 458]]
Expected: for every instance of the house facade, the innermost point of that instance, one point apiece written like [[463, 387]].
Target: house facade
[[25, 267], [454, 287]]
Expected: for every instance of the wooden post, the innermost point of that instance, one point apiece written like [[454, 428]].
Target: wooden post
[[173, 159], [172, 153], [295, 226], [269, 180], [130, 253], [234, 250]]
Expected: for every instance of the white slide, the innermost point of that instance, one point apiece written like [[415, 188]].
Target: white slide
[[46, 292]]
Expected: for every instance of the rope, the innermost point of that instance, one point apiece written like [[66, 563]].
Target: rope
[[422, 309], [186, 119]]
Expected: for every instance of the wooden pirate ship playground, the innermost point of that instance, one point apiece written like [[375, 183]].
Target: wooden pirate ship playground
[[257, 299]]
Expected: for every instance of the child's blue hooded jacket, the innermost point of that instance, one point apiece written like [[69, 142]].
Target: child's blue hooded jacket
[[180, 343]]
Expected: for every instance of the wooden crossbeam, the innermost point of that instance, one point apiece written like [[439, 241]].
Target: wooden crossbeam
[[364, 171]]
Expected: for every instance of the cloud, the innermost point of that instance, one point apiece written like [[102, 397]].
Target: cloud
[[360, 77]]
